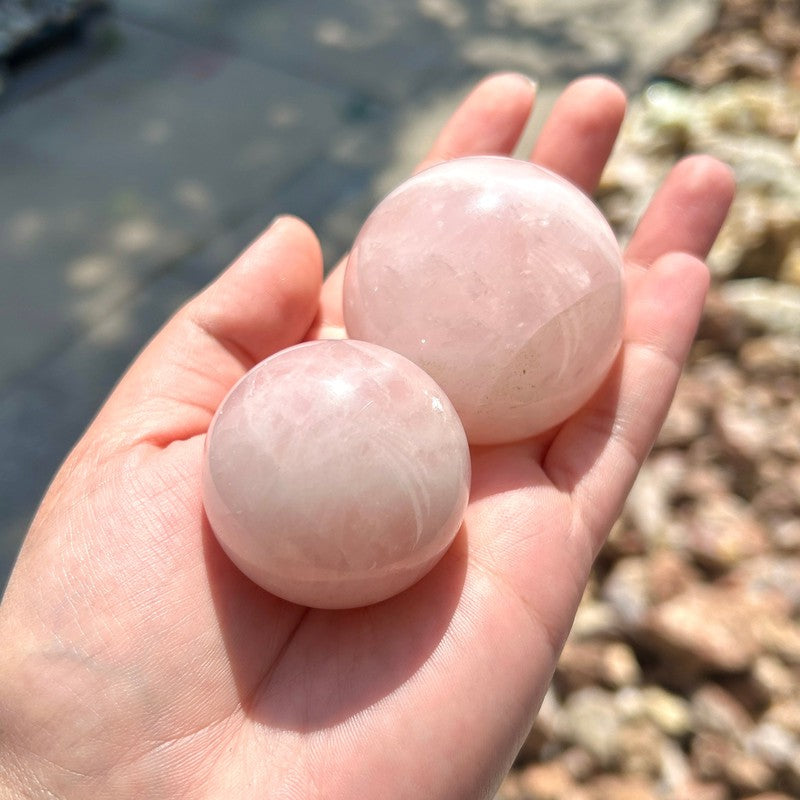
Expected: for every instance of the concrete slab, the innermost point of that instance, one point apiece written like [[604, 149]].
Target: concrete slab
[[380, 48], [390, 49], [131, 165]]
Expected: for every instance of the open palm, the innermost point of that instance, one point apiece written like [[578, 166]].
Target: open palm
[[138, 662]]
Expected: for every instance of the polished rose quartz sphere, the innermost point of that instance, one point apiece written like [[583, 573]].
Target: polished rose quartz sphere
[[500, 279], [336, 474]]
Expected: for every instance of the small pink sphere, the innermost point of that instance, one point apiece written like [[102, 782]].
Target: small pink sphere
[[336, 474], [501, 280]]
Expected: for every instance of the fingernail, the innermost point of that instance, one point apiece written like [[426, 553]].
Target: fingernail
[[275, 221], [520, 76]]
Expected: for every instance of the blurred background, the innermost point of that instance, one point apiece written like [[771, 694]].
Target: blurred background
[[143, 145]]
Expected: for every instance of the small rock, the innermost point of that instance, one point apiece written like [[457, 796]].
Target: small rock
[[779, 492], [717, 758], [771, 355], [584, 663], [770, 574], [613, 787], [777, 746], [668, 574], [775, 679], [746, 422], [716, 711], [785, 533], [595, 619], [549, 781], [688, 415], [779, 27], [650, 500], [629, 702], [699, 790], [590, 720], [723, 532], [786, 713], [704, 478], [671, 714], [635, 584], [766, 305], [624, 540], [639, 747], [619, 666], [780, 636], [578, 762], [675, 769], [747, 773], [787, 435], [711, 627], [626, 590], [723, 377], [720, 324], [510, 788], [769, 796]]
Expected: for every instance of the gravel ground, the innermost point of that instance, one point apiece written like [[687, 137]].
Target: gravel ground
[[681, 678]]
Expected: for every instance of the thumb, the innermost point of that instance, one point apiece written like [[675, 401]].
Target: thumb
[[265, 301]]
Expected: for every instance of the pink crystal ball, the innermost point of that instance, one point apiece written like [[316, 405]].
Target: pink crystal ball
[[501, 280], [336, 474]]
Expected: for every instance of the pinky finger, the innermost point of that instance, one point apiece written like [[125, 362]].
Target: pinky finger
[[597, 454]]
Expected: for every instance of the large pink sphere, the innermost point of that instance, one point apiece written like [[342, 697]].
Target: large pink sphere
[[500, 279], [336, 474]]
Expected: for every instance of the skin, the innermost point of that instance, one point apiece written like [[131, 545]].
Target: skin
[[138, 662]]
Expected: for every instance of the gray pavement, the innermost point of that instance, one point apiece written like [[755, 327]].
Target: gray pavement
[[138, 161]]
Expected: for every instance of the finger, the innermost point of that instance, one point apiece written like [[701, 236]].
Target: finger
[[686, 213], [597, 454], [262, 303], [488, 122], [580, 132]]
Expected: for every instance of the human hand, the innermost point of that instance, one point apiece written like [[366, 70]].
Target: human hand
[[138, 661]]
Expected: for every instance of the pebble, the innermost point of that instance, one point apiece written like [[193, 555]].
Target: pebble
[[701, 790], [712, 627], [670, 713], [687, 416], [614, 787], [768, 356], [649, 505], [770, 573], [639, 748], [609, 664], [776, 680], [770, 796], [716, 757], [773, 743], [767, 306], [595, 619], [549, 781], [715, 710], [723, 532], [780, 636], [785, 714], [591, 721]]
